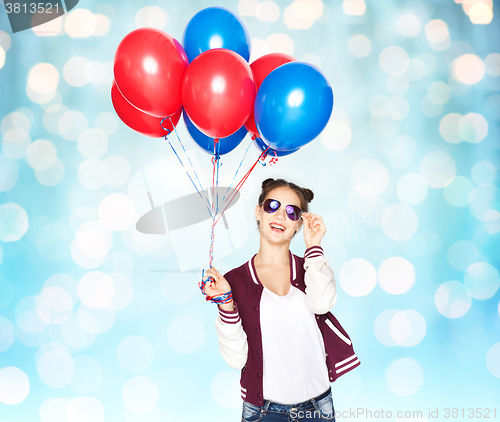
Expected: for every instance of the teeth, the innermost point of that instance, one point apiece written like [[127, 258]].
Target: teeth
[[277, 227]]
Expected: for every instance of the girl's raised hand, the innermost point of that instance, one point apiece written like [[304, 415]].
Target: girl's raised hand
[[314, 229], [217, 286]]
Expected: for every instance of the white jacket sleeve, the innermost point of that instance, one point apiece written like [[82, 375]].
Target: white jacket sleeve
[[321, 290], [233, 343]]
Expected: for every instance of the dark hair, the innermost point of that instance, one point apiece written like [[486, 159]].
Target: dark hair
[[305, 195]]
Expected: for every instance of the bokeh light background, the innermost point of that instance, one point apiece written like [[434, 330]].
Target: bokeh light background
[[97, 323]]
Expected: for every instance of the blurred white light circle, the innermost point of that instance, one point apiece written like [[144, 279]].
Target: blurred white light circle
[[93, 240], [437, 34], [7, 335], [123, 291], [483, 199], [9, 173], [92, 173], [398, 108], [71, 124], [66, 282], [473, 128], [2, 57], [354, 7], [226, 390], [82, 409], [96, 289], [41, 154], [152, 17], [80, 23], [248, 7], [409, 25], [103, 25], [369, 177], [52, 175], [28, 316], [55, 368], [492, 62], [358, 277], [396, 275], [54, 410], [118, 171], [399, 222], [140, 394], [78, 71], [483, 172], [407, 328], [13, 222], [394, 60], [58, 301], [382, 327], [482, 280], [462, 254], [411, 189], [336, 136], [404, 376], [438, 168], [96, 321], [14, 385], [481, 13], [438, 92], [116, 212], [452, 299], [15, 143], [134, 353], [468, 69], [280, 43], [88, 374], [448, 128], [268, 11], [186, 334], [93, 143], [43, 78], [493, 360], [457, 193], [360, 45], [298, 15], [107, 122], [259, 47]]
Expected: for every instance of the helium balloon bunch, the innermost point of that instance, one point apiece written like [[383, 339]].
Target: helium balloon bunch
[[283, 103]]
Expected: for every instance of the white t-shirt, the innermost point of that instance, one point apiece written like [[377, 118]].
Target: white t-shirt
[[292, 347]]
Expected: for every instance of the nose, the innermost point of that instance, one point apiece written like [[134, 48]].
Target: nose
[[281, 213]]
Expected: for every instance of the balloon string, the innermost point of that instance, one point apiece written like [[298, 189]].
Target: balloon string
[[242, 181], [237, 170], [187, 173], [191, 164]]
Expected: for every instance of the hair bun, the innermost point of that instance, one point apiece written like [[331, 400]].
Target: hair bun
[[308, 194], [267, 182]]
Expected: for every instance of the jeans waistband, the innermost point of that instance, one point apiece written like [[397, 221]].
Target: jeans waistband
[[280, 407]]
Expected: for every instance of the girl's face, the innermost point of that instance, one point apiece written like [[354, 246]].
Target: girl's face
[[277, 227]]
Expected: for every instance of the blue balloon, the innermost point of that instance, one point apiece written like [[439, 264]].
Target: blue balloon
[[226, 144], [293, 105], [216, 27], [261, 145]]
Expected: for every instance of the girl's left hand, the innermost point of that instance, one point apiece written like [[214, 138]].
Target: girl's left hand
[[314, 229]]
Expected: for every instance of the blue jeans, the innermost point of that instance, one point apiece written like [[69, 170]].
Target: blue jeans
[[319, 408]]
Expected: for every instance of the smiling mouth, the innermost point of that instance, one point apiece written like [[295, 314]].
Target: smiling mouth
[[277, 227]]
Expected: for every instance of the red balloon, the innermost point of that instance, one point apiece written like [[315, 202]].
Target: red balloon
[[149, 67], [262, 67], [218, 92], [138, 120]]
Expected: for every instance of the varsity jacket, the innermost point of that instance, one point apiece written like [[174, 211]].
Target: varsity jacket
[[238, 331]]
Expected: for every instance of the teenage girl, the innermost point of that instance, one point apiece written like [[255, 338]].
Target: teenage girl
[[268, 328]]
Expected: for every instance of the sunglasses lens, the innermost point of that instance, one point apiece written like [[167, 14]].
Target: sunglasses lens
[[293, 212], [271, 205]]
